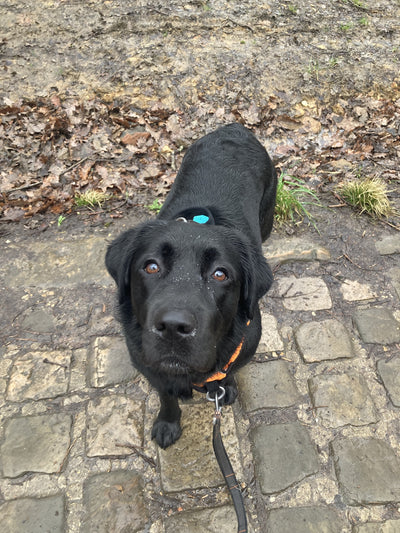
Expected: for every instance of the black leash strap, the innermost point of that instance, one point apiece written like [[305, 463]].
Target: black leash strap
[[225, 464]]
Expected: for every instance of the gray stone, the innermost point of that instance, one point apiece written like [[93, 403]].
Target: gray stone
[[221, 519], [353, 291], [304, 294], [39, 375], [114, 502], [377, 325], [36, 444], [325, 340], [389, 245], [390, 526], [266, 385], [190, 463], [61, 263], [368, 471], [294, 249], [109, 362], [114, 426], [304, 520], [394, 274], [390, 374], [270, 339], [31, 515], [284, 455], [39, 320], [342, 399]]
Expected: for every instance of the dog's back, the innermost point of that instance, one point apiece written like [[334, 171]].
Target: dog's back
[[229, 172]]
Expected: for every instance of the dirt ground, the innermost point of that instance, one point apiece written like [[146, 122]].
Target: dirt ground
[[107, 95]]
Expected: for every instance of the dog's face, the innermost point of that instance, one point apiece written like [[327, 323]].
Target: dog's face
[[186, 284]]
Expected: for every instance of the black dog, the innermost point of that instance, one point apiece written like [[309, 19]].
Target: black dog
[[189, 282]]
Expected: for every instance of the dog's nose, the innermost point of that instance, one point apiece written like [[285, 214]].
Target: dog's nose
[[177, 323]]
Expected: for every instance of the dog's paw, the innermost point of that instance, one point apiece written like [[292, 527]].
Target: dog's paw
[[231, 393], [166, 433]]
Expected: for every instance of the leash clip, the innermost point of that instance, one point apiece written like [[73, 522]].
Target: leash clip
[[218, 395]]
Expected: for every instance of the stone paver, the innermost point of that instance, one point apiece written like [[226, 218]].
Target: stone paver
[[390, 526], [114, 423], [266, 385], [221, 519], [325, 340], [304, 520], [394, 274], [342, 399], [284, 455], [33, 515], [109, 362], [389, 245], [271, 340], [353, 291], [390, 374], [50, 265], [313, 437], [283, 251], [39, 375], [368, 471], [377, 325], [36, 444], [114, 502], [306, 293], [194, 453]]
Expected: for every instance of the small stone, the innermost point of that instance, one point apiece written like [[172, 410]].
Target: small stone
[[109, 362], [39, 320], [389, 245], [33, 515], [353, 291], [266, 385], [114, 502], [114, 425], [377, 325], [221, 519], [294, 249], [390, 374], [39, 375], [304, 520], [304, 294], [36, 444], [342, 399], [394, 274], [390, 526], [270, 339], [368, 471], [322, 341], [190, 463], [284, 455], [57, 264]]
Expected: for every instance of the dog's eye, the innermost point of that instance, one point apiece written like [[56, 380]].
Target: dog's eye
[[151, 267], [219, 275]]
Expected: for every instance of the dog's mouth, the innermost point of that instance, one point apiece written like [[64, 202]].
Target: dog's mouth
[[173, 365]]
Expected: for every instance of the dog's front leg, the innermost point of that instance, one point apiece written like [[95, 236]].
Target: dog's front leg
[[167, 427]]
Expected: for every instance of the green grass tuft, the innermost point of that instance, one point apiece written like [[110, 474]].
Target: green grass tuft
[[367, 195], [91, 199], [292, 197]]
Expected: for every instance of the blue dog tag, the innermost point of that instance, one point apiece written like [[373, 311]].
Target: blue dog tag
[[201, 219]]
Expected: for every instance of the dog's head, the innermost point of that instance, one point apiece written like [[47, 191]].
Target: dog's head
[[186, 284]]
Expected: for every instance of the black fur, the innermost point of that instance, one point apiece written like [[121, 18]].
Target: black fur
[[187, 290]]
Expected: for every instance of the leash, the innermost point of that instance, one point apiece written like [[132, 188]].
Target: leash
[[224, 462]]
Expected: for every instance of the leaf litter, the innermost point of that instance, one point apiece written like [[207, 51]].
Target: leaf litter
[[53, 150]]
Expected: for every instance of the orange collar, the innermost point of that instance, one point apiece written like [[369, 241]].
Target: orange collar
[[219, 375]]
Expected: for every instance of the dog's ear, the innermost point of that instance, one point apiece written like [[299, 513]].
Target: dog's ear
[[119, 257], [257, 278]]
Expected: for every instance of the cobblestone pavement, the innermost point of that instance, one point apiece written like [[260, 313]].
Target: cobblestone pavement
[[314, 437]]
